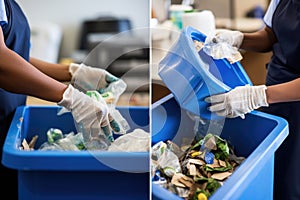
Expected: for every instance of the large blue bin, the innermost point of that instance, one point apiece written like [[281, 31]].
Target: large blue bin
[[82, 175], [256, 137]]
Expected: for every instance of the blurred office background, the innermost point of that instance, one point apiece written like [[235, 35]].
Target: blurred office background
[[74, 31]]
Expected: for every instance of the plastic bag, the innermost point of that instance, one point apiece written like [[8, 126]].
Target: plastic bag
[[163, 158]]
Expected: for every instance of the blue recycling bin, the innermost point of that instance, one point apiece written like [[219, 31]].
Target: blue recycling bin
[[74, 175], [256, 138], [191, 75]]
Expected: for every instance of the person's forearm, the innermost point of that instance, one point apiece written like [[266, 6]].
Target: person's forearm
[[260, 41], [285, 92], [59, 72], [19, 76]]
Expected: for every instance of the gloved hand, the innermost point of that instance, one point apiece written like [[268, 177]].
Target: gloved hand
[[91, 116], [233, 38], [238, 101], [86, 78]]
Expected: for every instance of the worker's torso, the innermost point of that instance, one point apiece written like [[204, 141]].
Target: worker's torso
[[17, 38], [284, 65]]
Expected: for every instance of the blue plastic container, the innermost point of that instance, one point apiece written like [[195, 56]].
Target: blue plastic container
[[256, 137], [191, 76], [82, 175]]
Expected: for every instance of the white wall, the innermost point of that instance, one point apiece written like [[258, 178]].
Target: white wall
[[69, 14]]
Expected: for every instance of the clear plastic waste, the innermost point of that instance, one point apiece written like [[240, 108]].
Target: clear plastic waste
[[136, 141], [116, 89], [163, 158], [56, 140]]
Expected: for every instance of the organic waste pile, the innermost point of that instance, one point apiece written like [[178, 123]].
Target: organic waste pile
[[196, 171]]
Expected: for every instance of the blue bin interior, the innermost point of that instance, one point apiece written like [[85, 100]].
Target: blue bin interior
[[165, 119], [38, 120], [29, 121], [256, 138]]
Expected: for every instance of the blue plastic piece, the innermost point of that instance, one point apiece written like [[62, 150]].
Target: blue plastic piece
[[209, 157], [192, 76], [256, 137], [157, 178], [71, 174]]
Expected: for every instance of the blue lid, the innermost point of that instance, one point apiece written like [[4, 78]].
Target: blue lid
[[191, 75]]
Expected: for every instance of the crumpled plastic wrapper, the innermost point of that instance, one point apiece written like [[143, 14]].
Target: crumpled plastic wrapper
[[221, 49], [136, 141]]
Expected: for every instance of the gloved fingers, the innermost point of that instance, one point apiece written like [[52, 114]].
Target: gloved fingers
[[92, 129], [242, 116], [222, 113], [229, 114], [110, 78], [233, 114], [218, 37], [103, 84], [87, 78], [108, 133], [217, 107], [107, 129], [218, 98], [225, 112], [113, 123]]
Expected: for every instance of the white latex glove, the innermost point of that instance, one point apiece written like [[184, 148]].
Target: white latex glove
[[91, 116], [238, 101], [233, 38], [86, 78]]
